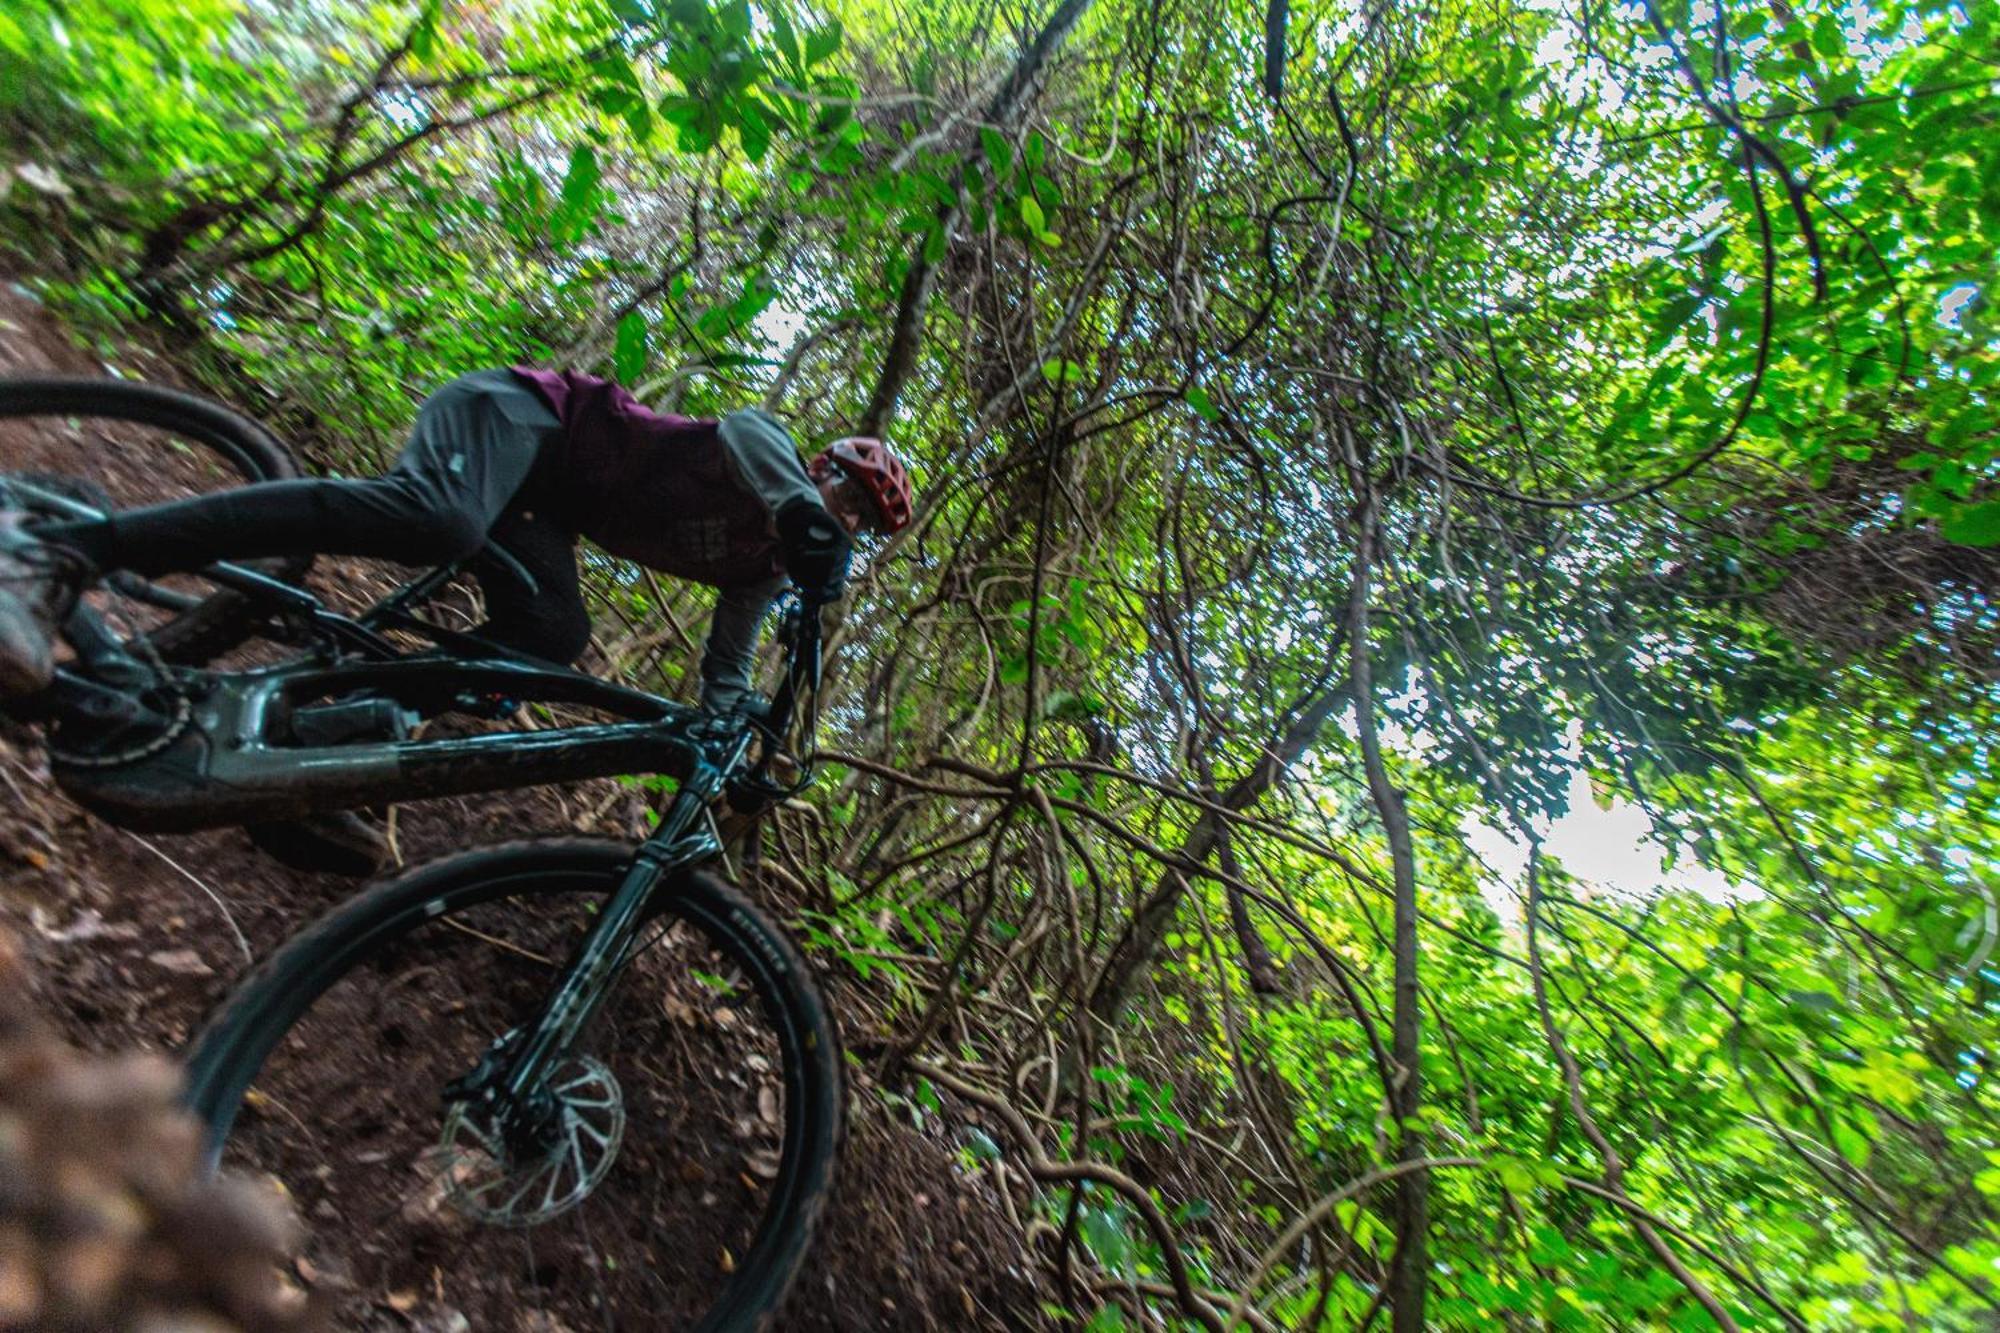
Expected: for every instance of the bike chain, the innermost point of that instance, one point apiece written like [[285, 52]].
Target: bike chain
[[176, 727]]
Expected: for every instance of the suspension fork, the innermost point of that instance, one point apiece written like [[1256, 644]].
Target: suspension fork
[[587, 978]]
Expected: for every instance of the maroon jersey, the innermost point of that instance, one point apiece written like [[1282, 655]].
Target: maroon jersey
[[656, 488]]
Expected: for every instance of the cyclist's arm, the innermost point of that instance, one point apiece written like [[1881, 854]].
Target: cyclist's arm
[[815, 544], [765, 460], [727, 661]]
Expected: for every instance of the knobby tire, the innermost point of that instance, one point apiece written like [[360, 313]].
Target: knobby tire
[[232, 1049]]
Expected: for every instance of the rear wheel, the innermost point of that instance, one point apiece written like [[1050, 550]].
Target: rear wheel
[[121, 445], [680, 1164]]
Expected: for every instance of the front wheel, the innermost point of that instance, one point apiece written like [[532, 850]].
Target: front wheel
[[698, 1118]]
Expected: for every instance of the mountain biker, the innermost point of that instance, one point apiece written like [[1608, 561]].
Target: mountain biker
[[531, 460]]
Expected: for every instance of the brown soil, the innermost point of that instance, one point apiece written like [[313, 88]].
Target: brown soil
[[134, 938]]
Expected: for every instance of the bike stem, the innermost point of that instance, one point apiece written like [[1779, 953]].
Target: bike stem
[[587, 978]]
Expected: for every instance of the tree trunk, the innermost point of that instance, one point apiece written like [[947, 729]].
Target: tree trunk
[[1133, 953], [1409, 1279], [906, 334]]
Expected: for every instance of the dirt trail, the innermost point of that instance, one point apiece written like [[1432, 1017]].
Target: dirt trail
[[132, 938]]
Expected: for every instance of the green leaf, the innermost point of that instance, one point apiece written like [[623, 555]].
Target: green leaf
[[821, 43], [1107, 1319], [1851, 1138], [936, 186], [1520, 1175], [616, 69], [755, 130], [690, 62], [755, 299], [998, 155], [1031, 213], [579, 201], [935, 241], [1065, 705], [785, 36], [1973, 525], [1059, 371], [1671, 317], [424, 33], [1104, 1232], [580, 182], [629, 358], [1204, 406], [736, 360], [615, 100]]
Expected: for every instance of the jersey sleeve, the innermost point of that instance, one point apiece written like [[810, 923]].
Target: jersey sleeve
[[761, 452]]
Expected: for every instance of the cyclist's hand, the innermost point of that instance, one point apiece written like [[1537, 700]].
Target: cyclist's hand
[[816, 551], [753, 706]]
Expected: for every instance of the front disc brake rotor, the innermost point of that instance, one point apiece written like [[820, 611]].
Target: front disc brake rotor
[[490, 1182]]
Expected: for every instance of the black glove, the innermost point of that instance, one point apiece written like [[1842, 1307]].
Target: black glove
[[816, 550]]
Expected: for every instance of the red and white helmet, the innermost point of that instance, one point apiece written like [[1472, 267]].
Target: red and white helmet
[[870, 464]]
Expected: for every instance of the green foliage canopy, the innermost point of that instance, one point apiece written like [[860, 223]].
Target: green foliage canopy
[[1309, 483]]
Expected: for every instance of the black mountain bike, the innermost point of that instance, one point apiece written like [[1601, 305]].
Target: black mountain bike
[[553, 1085]]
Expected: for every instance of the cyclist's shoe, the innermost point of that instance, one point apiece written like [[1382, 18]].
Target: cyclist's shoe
[[341, 843], [38, 585]]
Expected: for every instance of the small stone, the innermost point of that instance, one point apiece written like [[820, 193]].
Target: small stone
[[20, 1289], [87, 1272], [181, 1321], [181, 962], [38, 177], [537, 1322]]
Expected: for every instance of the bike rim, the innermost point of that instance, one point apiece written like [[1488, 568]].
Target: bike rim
[[703, 1192]]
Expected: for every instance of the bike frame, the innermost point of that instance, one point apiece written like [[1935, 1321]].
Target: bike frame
[[230, 765], [233, 765]]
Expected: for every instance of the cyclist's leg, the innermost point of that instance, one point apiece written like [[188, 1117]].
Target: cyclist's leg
[[549, 621], [474, 444]]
